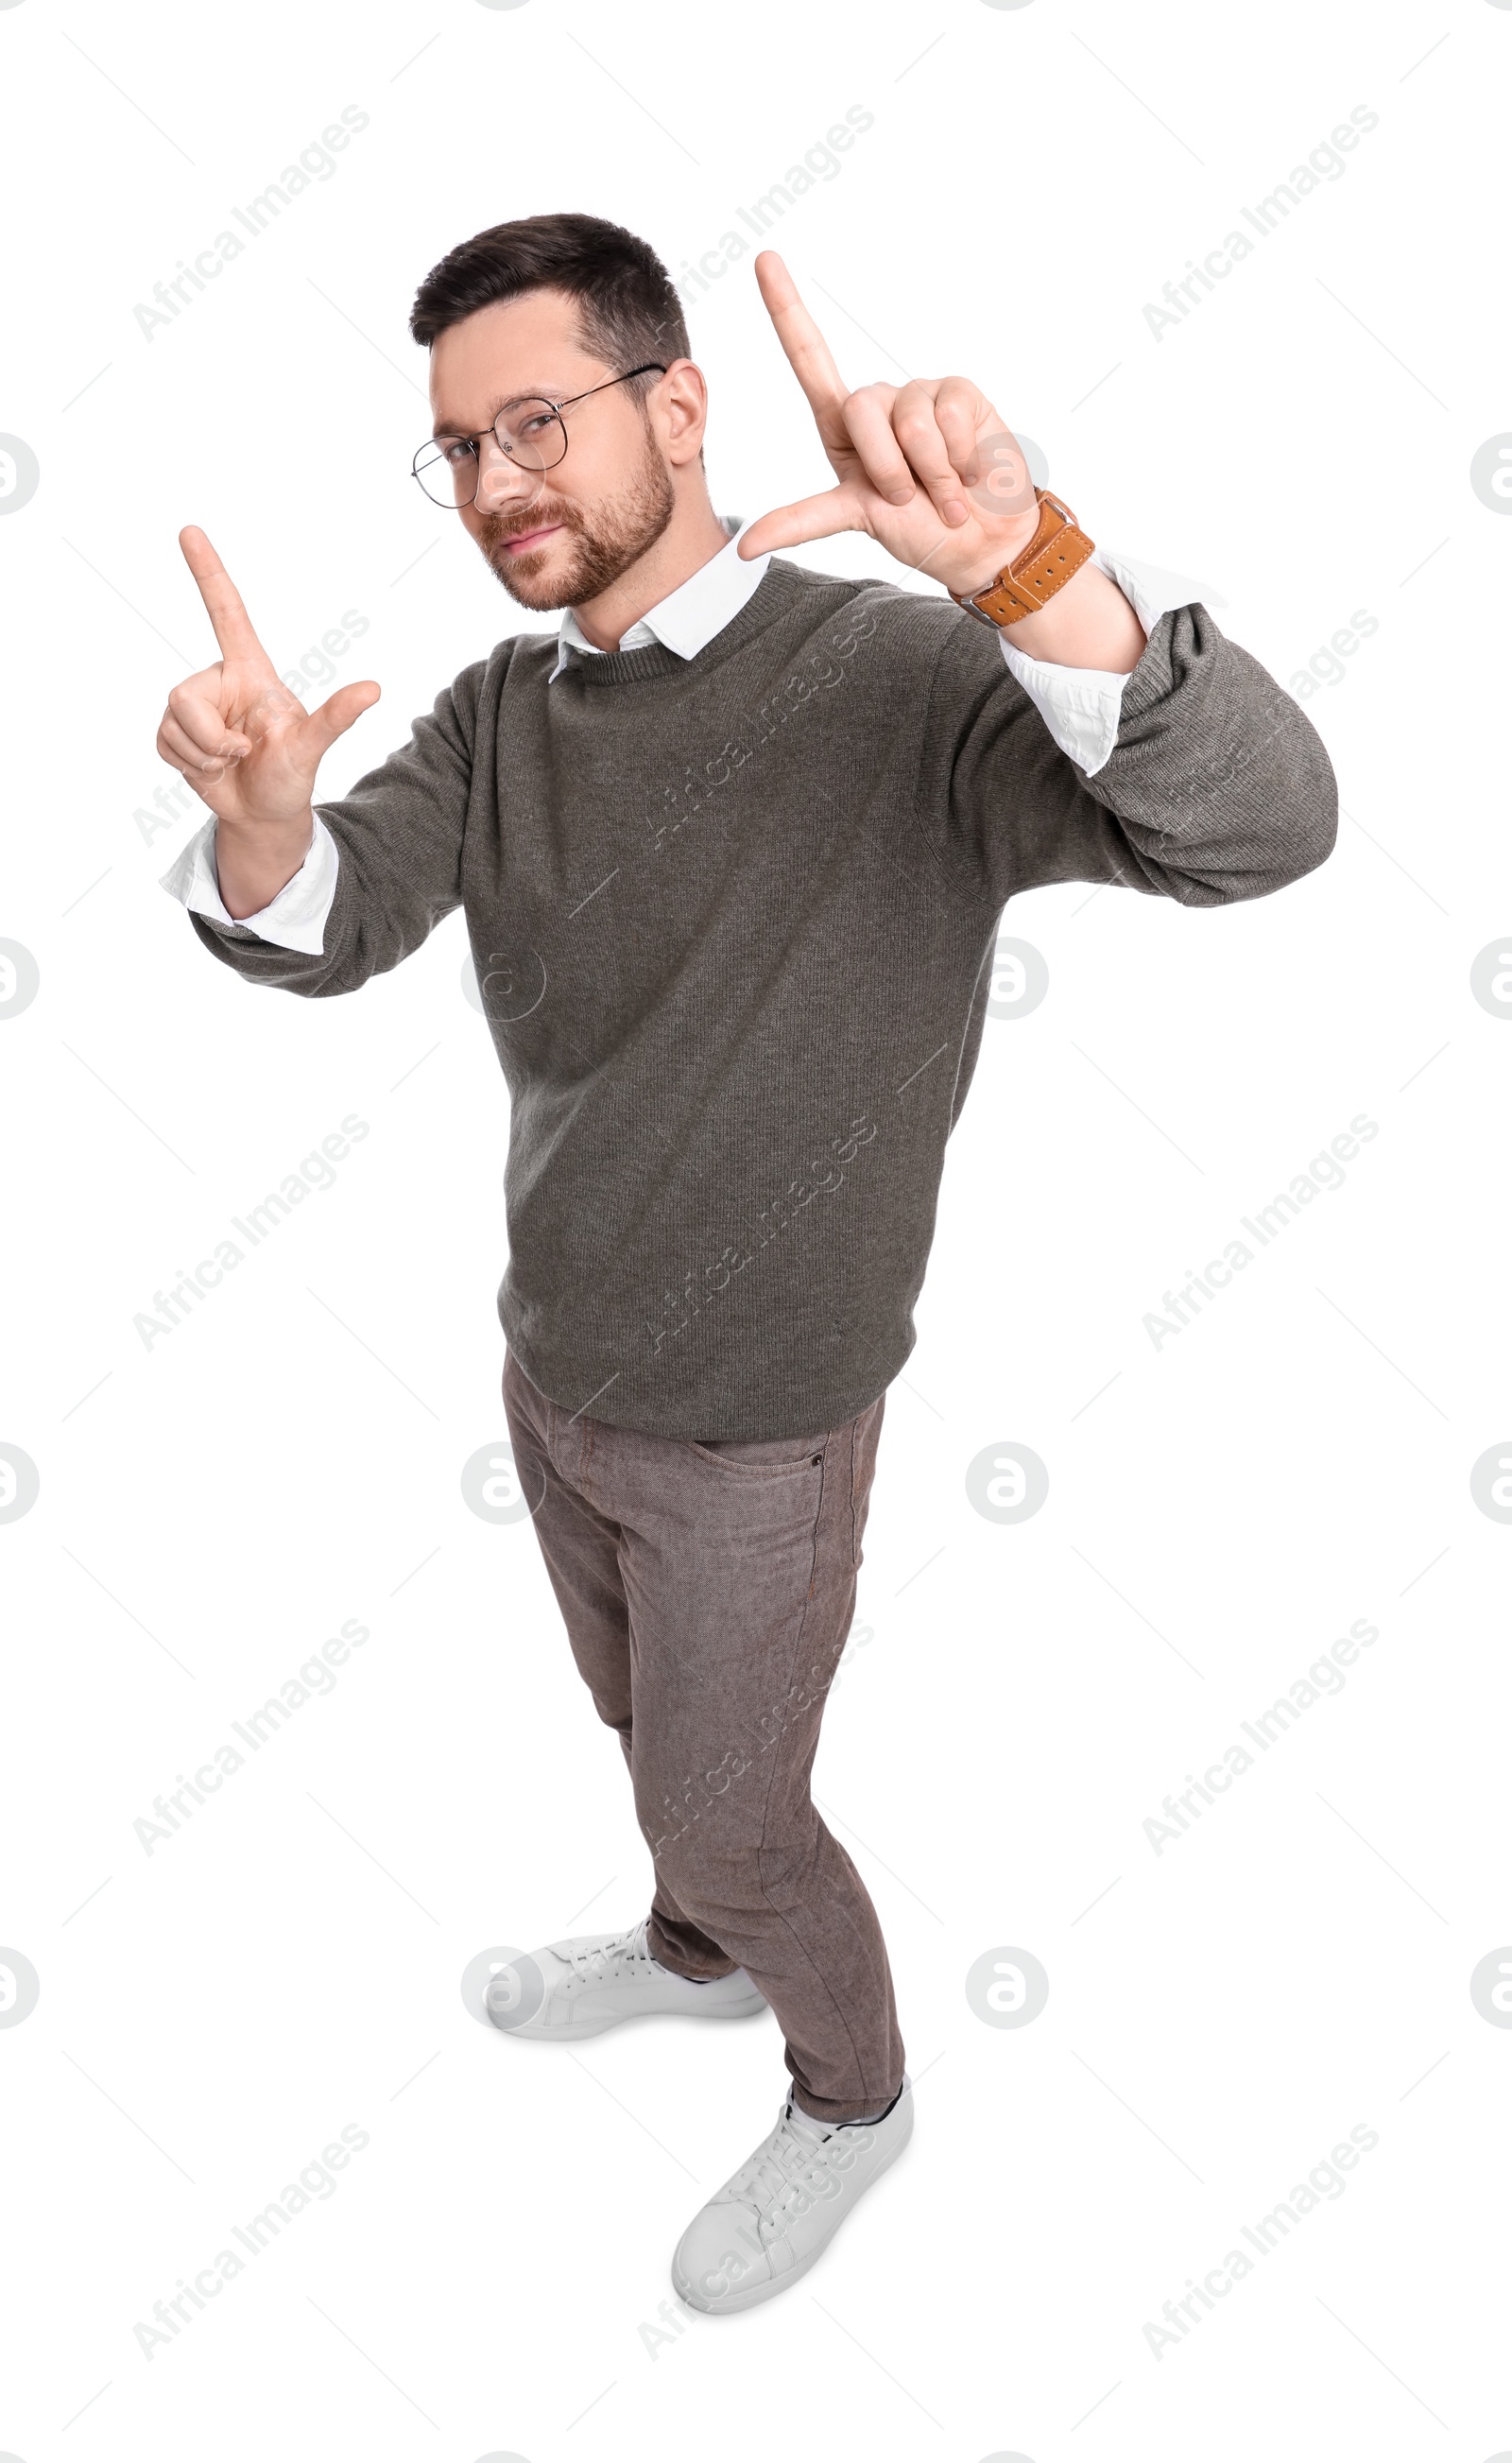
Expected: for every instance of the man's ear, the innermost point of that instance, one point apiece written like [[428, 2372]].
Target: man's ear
[[686, 412]]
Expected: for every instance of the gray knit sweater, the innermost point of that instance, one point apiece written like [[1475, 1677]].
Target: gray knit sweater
[[733, 920]]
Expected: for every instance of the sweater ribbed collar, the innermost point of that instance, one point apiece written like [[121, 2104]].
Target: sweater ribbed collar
[[653, 662]]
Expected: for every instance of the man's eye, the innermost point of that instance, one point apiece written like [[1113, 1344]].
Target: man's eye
[[536, 424], [454, 450]]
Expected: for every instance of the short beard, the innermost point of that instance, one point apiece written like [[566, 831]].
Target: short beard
[[608, 538]]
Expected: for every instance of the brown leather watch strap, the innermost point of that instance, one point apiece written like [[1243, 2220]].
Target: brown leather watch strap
[[1057, 550]]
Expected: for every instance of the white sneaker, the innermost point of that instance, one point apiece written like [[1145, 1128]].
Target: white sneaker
[[783, 2208], [590, 1981]]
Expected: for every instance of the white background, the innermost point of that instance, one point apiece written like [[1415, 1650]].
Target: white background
[[211, 1509]]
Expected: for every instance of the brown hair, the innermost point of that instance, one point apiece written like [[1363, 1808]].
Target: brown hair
[[628, 310]]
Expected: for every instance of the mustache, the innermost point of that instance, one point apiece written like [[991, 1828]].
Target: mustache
[[501, 528]]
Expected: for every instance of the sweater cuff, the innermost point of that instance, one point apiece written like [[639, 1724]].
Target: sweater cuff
[[1081, 706], [294, 920]]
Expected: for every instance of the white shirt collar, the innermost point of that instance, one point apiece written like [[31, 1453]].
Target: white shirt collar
[[689, 618]]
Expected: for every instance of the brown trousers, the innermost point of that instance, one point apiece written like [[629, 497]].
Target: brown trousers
[[707, 1592]]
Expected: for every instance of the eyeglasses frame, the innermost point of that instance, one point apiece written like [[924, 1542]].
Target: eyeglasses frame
[[555, 407]]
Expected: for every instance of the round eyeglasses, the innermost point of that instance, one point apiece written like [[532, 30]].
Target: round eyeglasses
[[531, 433]]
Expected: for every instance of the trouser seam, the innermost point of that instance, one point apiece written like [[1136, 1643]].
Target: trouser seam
[[761, 1844]]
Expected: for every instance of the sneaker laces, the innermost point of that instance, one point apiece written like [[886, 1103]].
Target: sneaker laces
[[592, 1960], [790, 2173]]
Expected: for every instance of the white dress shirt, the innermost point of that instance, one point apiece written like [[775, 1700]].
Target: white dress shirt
[[1080, 707]]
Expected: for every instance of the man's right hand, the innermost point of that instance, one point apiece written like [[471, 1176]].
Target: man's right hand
[[247, 746]]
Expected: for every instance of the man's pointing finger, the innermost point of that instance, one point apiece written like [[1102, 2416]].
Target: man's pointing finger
[[233, 626], [808, 351]]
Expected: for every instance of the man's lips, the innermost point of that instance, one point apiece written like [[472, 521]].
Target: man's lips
[[524, 540]]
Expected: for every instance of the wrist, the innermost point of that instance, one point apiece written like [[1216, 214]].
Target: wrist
[[253, 861], [983, 575], [1030, 581], [1088, 624], [251, 835]]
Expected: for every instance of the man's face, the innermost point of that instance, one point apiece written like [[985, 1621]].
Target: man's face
[[557, 538]]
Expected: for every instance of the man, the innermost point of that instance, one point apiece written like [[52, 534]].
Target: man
[[732, 847]]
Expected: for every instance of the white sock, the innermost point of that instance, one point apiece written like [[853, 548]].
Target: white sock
[[856, 2121]]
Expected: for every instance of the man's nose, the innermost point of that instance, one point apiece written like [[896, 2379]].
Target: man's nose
[[501, 482]]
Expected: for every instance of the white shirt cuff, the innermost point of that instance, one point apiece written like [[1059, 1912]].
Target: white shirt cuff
[[294, 920], [1081, 705]]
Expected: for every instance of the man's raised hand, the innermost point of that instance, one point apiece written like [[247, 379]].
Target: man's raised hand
[[929, 469], [246, 743]]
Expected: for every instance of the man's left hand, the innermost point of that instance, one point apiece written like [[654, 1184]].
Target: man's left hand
[[929, 469]]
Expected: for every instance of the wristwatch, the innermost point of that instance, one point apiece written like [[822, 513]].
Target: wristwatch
[[1057, 550]]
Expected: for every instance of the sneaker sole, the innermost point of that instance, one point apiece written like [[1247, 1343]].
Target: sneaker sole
[[730, 2303], [575, 2032]]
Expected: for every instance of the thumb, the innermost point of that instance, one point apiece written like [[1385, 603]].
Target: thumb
[[812, 517], [343, 709]]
